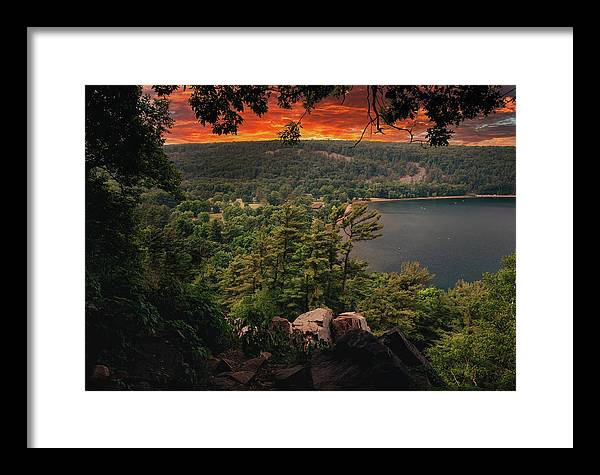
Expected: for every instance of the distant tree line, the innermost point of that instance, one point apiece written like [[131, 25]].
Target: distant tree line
[[267, 171]]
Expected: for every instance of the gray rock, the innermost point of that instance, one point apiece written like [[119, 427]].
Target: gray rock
[[315, 324]]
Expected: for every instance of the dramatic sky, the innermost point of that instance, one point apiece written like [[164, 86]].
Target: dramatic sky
[[333, 120]]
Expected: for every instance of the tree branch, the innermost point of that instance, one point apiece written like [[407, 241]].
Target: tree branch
[[363, 133]]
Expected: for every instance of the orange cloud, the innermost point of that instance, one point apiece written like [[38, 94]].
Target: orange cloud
[[331, 119]]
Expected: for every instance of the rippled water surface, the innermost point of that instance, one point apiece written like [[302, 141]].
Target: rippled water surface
[[454, 238]]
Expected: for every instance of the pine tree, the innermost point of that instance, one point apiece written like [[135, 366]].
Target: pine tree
[[215, 233], [290, 220], [358, 223], [241, 278], [316, 269]]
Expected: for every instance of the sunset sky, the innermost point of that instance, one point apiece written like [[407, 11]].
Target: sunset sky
[[333, 120]]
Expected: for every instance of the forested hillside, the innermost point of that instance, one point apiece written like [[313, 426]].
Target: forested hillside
[[253, 170]]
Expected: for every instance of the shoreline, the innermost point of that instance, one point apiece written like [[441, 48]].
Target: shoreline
[[427, 198]]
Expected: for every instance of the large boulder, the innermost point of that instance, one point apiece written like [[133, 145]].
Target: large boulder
[[358, 361], [280, 324], [315, 324], [423, 376], [347, 321]]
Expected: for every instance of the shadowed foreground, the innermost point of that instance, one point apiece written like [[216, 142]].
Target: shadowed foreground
[[345, 356]]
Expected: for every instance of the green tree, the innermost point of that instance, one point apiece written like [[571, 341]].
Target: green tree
[[290, 220], [195, 206], [392, 300], [139, 268], [123, 157], [318, 265], [216, 230], [482, 353], [358, 223], [274, 198]]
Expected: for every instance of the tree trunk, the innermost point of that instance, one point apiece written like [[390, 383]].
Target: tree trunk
[[347, 255]]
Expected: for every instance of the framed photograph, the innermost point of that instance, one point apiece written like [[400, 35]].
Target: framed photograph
[[263, 243]]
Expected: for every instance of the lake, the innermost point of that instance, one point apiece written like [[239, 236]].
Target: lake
[[453, 238]]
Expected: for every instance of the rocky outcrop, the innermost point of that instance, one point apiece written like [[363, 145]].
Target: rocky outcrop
[[347, 321], [294, 378], [422, 374], [242, 373], [358, 361], [315, 324], [355, 360], [280, 324], [403, 348]]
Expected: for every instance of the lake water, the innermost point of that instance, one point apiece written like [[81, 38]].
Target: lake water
[[453, 238]]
